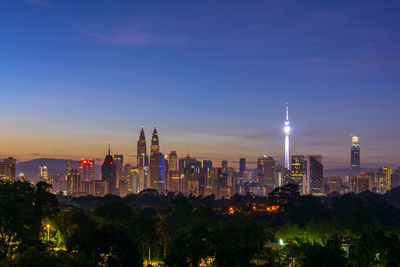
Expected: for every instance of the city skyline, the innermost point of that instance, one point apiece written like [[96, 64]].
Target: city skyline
[[133, 159], [216, 92], [199, 133]]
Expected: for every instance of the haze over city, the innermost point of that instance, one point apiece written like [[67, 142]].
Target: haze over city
[[215, 78]]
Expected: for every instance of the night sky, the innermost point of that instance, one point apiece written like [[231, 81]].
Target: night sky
[[214, 75]]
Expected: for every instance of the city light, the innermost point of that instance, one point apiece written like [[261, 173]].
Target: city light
[[221, 180]]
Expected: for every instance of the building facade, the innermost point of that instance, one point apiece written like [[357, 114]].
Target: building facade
[[7, 169], [355, 156], [315, 175]]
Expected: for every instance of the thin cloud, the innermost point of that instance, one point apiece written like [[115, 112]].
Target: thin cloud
[[373, 60], [129, 34]]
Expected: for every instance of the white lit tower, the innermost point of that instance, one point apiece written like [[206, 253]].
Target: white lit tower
[[287, 130]]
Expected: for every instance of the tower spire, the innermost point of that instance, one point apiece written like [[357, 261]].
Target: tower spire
[[287, 130], [287, 111], [109, 147]]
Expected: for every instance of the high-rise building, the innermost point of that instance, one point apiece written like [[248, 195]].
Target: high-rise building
[[159, 183], [383, 179], [362, 182], [207, 172], [109, 172], [355, 155], [282, 176], [119, 164], [287, 130], [224, 165], [173, 161], [155, 143], [242, 166], [43, 174], [396, 178], [189, 165], [75, 184], [260, 169], [174, 181], [315, 175], [335, 184], [207, 165], [69, 165], [269, 173], [86, 169], [7, 169], [144, 178], [142, 159], [298, 172], [157, 165]]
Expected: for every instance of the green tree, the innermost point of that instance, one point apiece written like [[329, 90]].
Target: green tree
[[41, 258], [45, 205], [315, 254], [116, 248], [16, 216], [186, 233], [237, 241]]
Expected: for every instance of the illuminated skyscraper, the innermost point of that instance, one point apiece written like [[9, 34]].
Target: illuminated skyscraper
[[142, 159], [260, 169], [173, 173], [362, 182], [242, 166], [315, 175], [75, 185], [155, 144], [157, 173], [355, 155], [7, 169], [43, 174], [189, 165], [109, 172], [119, 164], [269, 172], [86, 169], [383, 179], [287, 130], [298, 172], [157, 165]]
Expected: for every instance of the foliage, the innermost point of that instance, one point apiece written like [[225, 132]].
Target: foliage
[[349, 230]]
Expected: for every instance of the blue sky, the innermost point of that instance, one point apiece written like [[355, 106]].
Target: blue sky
[[214, 75]]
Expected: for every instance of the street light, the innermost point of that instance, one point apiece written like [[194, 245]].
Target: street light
[[48, 232]]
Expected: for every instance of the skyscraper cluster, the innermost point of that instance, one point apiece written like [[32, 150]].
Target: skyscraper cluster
[[154, 172]]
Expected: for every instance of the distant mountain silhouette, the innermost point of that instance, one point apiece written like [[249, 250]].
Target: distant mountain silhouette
[[30, 168]]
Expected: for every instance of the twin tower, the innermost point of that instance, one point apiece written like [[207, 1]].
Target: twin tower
[[142, 158], [156, 164]]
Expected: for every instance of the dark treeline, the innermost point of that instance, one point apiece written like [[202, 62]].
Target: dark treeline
[[38, 228]]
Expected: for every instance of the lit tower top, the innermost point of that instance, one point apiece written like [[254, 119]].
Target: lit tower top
[[287, 131], [355, 155], [141, 150], [155, 145]]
